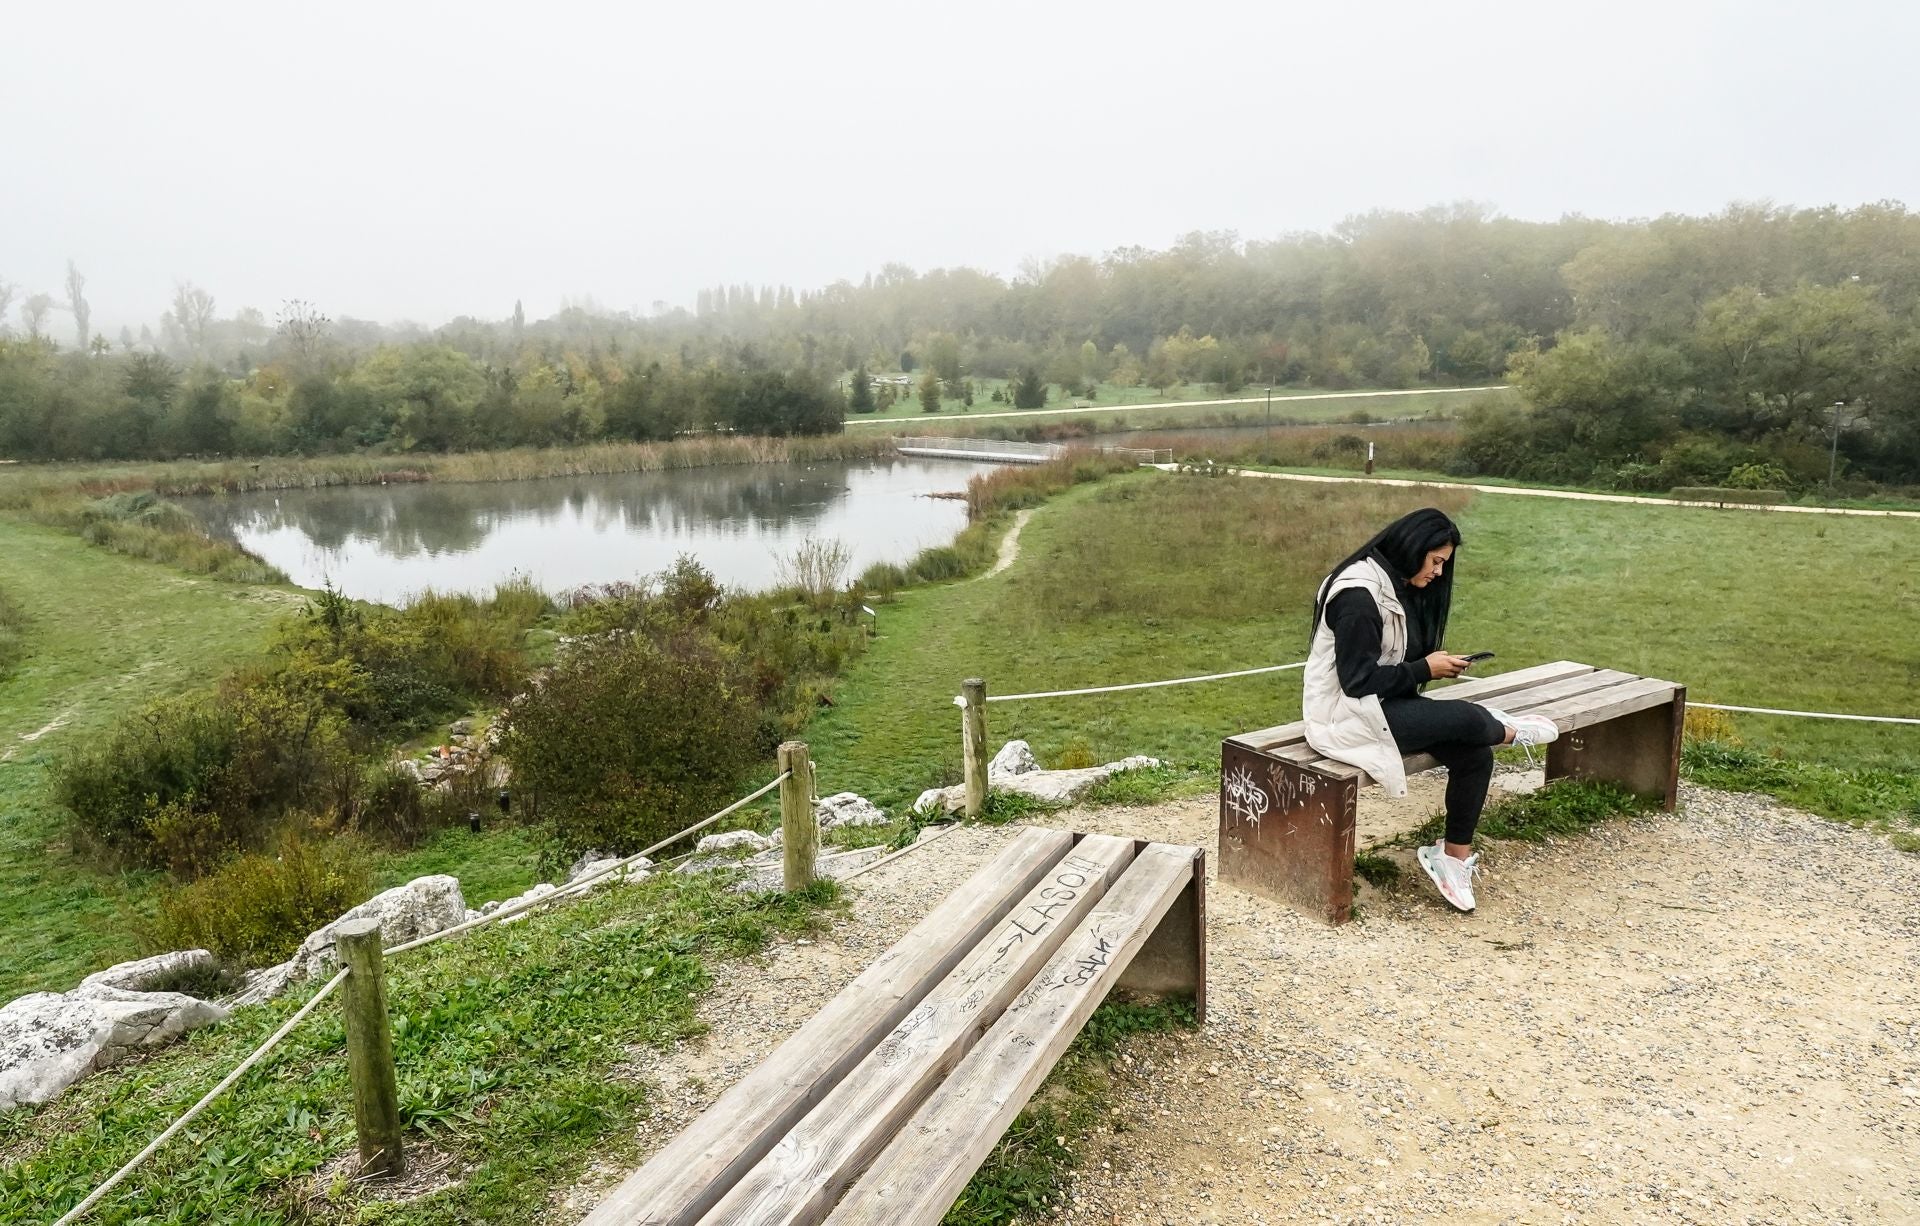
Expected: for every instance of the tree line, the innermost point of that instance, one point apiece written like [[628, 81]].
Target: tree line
[[1632, 338]]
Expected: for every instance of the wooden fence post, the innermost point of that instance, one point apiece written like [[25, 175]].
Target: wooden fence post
[[973, 741], [376, 1090], [799, 831]]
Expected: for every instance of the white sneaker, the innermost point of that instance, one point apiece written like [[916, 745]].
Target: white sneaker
[[1528, 731], [1453, 878]]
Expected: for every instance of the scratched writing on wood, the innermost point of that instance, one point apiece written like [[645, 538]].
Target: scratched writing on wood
[[1036, 917], [1087, 966]]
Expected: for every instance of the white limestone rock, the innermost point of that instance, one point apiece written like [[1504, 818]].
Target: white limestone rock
[[138, 975], [1052, 787], [1014, 758], [422, 906], [848, 809], [731, 840], [262, 985], [539, 890], [49, 1041], [770, 875]]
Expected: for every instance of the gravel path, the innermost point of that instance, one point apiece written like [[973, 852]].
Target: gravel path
[[1707, 1017]]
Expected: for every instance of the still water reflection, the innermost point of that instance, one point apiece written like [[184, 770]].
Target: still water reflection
[[388, 543]]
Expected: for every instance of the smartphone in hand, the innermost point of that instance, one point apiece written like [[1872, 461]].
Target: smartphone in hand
[[1478, 656]]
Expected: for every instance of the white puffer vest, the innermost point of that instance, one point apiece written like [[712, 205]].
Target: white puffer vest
[[1354, 730]]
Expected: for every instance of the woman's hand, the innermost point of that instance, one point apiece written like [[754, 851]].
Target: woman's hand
[[1441, 664]]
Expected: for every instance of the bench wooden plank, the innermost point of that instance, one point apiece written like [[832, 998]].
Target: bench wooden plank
[[1285, 740], [1585, 710], [1479, 689], [690, 1174], [925, 1167], [800, 1178], [1524, 701]]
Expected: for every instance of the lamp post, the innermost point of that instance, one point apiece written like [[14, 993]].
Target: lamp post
[[1833, 457]]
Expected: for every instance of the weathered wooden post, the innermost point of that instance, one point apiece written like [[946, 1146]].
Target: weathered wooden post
[[973, 741], [376, 1090], [799, 831]]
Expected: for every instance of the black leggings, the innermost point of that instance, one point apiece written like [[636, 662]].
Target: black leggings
[[1461, 735]]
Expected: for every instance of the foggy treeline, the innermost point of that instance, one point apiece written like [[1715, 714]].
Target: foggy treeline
[[1747, 338]]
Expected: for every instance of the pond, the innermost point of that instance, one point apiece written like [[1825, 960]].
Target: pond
[[388, 543]]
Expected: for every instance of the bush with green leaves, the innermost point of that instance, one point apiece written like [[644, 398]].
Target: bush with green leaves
[[629, 738], [196, 779], [256, 908], [190, 780]]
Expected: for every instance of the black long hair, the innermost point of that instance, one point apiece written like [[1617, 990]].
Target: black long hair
[[1402, 548]]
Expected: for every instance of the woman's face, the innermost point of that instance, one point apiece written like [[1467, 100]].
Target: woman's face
[[1433, 567]]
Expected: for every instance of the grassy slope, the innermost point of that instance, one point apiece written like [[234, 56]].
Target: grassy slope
[[107, 634], [1150, 577], [504, 1042]]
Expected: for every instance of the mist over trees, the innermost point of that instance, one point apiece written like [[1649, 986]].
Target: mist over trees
[[1733, 334]]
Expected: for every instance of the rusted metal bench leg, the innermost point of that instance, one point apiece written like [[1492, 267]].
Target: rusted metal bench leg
[[1640, 752], [1173, 962], [1287, 832]]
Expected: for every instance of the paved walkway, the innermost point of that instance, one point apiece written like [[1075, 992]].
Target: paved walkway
[[1577, 495]]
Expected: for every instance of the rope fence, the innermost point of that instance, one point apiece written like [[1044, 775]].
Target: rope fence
[[273, 1040], [960, 700], [572, 889]]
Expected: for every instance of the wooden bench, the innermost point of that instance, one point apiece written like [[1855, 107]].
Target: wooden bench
[[1287, 814], [880, 1108]]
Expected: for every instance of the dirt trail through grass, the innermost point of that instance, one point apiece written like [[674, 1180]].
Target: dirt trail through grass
[[1010, 544], [1706, 1017]]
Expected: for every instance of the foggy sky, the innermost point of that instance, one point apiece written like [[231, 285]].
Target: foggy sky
[[420, 161]]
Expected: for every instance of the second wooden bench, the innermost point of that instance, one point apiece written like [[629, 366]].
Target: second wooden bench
[[880, 1108]]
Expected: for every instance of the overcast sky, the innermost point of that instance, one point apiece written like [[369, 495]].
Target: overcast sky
[[419, 161]]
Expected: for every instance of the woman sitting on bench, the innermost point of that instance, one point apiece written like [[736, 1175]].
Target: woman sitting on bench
[[1378, 623]]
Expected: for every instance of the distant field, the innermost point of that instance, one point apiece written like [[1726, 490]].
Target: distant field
[[1187, 407], [1153, 576]]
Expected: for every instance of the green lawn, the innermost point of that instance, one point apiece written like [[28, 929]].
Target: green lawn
[[508, 1044], [105, 635], [1152, 576]]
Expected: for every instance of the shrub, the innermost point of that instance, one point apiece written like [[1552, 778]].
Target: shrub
[[1704, 725], [1758, 476], [938, 565], [255, 909], [190, 780], [883, 579], [1077, 754], [629, 740], [817, 568]]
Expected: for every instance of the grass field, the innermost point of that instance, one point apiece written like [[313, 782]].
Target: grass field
[[105, 635], [1153, 576], [1128, 410], [506, 1042]]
